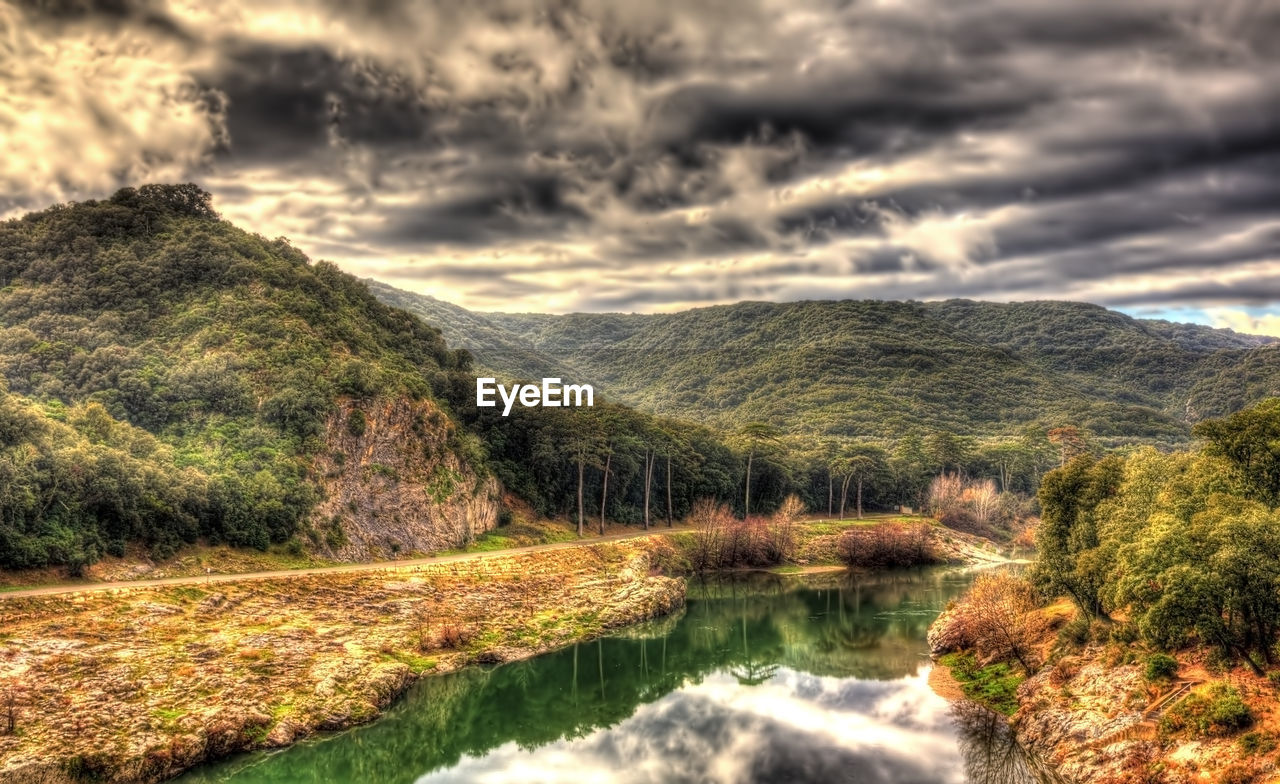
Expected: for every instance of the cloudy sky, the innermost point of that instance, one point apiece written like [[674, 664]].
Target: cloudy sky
[[657, 155]]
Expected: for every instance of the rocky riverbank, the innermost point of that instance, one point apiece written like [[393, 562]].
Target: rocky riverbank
[[137, 685], [1093, 715]]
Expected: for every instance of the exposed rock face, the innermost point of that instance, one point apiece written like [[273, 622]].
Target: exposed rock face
[[1073, 732], [946, 634], [394, 483]]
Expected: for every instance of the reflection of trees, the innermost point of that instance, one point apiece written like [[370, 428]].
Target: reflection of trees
[[873, 628], [991, 752]]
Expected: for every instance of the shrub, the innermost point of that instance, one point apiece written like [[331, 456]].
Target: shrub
[[454, 636], [1237, 773], [357, 423], [886, 546], [1256, 743], [1219, 711], [1000, 617], [722, 541], [1075, 632], [1161, 667]]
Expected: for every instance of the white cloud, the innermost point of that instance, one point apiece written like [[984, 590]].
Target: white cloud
[[1244, 321]]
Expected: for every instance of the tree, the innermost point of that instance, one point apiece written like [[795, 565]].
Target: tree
[[982, 499], [1001, 619], [582, 442], [947, 451], [857, 465], [1071, 443], [1010, 459], [11, 700], [757, 436], [1250, 441], [909, 466], [1071, 560]]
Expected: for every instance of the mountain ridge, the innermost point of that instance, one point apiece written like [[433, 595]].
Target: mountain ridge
[[1045, 361]]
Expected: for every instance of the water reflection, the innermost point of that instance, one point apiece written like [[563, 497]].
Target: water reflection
[[767, 679]]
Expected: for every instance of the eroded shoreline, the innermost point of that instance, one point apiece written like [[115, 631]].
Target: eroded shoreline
[[141, 684]]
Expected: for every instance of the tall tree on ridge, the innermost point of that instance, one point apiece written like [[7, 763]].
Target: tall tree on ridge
[[757, 436]]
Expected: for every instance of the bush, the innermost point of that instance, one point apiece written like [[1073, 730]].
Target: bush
[[1256, 743], [1237, 773], [454, 636], [721, 541], [1075, 632], [357, 423], [887, 546], [1161, 667], [1217, 712], [1000, 619]]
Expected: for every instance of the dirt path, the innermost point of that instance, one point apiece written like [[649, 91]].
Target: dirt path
[[208, 579]]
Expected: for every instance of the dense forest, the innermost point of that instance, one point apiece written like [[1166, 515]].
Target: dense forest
[[171, 378], [886, 370], [1184, 546]]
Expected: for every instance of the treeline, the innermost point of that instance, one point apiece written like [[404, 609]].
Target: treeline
[[1186, 545], [624, 465]]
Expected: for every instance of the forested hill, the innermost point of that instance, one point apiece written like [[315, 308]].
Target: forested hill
[[172, 377], [885, 369], [502, 349]]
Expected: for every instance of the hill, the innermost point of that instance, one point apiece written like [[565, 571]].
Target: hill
[[494, 347], [172, 377], [886, 369]]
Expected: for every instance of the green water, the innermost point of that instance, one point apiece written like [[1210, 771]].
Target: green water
[[770, 679]]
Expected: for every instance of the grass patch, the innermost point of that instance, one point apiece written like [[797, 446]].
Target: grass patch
[[521, 534], [787, 569], [169, 715], [995, 686], [417, 664]]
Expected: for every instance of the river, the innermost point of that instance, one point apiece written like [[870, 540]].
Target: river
[[759, 679]]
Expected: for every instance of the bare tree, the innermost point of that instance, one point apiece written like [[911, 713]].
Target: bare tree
[[982, 499], [709, 520], [1001, 618], [10, 703]]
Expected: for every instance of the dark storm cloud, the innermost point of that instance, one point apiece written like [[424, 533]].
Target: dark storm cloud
[[590, 154]]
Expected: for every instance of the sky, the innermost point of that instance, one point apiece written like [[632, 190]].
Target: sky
[[659, 155]]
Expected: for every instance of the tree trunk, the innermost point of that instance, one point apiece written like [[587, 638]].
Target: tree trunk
[[844, 494], [830, 492], [859, 498], [648, 476], [669, 523], [746, 501], [604, 489], [580, 515]]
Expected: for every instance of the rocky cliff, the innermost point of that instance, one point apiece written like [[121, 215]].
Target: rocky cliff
[[394, 483]]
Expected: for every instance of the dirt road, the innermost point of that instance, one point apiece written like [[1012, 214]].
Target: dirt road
[[207, 579]]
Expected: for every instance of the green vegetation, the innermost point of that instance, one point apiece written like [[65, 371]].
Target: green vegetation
[[995, 685], [1161, 667], [1216, 710], [170, 376], [885, 370], [1187, 543]]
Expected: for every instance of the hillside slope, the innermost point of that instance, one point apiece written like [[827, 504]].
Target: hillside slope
[[274, 390], [884, 369], [494, 347]]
